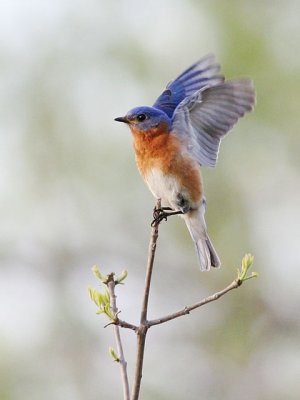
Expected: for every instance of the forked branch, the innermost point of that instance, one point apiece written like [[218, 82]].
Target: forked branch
[[106, 303]]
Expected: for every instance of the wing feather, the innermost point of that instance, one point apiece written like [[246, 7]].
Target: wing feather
[[204, 73], [205, 117]]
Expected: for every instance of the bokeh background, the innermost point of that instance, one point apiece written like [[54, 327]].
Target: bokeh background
[[71, 197]]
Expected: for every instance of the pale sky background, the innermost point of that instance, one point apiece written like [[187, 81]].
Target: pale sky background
[[71, 198]]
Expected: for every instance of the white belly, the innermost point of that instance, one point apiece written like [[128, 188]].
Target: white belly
[[164, 187]]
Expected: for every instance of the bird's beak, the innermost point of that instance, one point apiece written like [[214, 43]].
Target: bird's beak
[[122, 119]]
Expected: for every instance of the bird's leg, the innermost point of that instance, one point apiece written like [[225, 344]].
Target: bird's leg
[[160, 214], [161, 209]]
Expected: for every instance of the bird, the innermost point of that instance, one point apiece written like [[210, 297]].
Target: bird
[[182, 132]]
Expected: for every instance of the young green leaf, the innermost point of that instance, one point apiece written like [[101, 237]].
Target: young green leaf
[[113, 354], [121, 277]]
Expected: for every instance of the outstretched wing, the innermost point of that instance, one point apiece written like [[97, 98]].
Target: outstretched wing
[[204, 118], [204, 73]]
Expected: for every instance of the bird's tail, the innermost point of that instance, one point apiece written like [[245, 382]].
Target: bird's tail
[[196, 225]]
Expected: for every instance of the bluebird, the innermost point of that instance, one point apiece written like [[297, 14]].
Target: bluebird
[[181, 132]]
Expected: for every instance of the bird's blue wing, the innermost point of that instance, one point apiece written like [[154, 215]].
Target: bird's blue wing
[[204, 118], [204, 73]]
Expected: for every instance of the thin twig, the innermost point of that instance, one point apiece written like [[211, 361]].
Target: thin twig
[[151, 255], [143, 328], [122, 361], [123, 324], [186, 310]]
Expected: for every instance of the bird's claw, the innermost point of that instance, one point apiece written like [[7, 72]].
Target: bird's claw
[[160, 214]]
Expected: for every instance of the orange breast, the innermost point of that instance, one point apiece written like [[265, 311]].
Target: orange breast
[[158, 149]]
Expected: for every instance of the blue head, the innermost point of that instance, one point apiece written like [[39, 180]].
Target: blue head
[[145, 118]]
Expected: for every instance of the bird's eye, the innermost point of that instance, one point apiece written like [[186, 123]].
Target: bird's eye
[[141, 117]]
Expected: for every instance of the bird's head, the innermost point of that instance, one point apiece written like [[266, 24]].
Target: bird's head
[[146, 119]]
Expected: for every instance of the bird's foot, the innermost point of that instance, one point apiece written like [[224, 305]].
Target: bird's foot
[[160, 214]]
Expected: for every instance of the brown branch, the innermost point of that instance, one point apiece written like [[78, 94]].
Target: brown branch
[[151, 255], [186, 310], [124, 324], [121, 359], [143, 328]]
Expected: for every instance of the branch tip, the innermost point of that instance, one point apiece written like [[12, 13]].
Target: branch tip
[[247, 262]]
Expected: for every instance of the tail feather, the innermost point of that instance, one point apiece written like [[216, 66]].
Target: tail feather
[[205, 250], [214, 258], [207, 254]]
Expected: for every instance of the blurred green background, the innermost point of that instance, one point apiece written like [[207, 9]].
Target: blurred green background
[[71, 197]]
